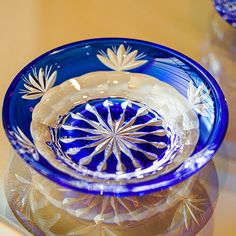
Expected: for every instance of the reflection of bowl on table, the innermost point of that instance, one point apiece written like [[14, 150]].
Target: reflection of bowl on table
[[46, 208], [115, 117]]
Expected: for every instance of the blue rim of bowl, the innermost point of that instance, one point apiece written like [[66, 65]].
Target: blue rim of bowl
[[166, 180]]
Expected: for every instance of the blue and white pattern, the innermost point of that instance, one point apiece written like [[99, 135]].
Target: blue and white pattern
[[121, 59], [38, 83], [227, 9], [103, 132], [200, 99], [22, 143]]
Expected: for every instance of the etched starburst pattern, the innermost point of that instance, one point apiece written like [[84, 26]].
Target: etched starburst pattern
[[189, 210], [200, 99], [112, 135], [121, 59], [38, 83]]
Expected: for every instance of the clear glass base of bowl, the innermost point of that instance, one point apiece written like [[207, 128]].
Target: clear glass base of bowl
[[45, 208]]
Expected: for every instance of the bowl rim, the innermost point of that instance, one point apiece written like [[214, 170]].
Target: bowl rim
[[216, 137]]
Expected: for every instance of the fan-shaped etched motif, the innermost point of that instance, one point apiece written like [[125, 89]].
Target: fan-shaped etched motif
[[38, 83], [24, 145], [121, 59], [200, 99]]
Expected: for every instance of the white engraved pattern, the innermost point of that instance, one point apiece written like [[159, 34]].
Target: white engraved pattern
[[121, 59], [23, 143], [115, 136], [199, 98], [37, 84]]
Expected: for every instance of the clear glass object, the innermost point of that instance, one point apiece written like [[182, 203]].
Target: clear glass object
[[45, 208]]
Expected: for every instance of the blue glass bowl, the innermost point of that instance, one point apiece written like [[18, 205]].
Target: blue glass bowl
[[115, 116], [227, 9]]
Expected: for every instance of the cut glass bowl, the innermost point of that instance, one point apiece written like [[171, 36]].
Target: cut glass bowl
[[114, 116]]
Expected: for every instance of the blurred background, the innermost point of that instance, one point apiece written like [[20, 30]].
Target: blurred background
[[31, 27]]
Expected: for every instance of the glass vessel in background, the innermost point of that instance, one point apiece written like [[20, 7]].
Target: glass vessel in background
[[227, 9], [218, 56]]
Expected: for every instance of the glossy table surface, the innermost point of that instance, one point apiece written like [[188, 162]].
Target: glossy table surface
[[30, 28]]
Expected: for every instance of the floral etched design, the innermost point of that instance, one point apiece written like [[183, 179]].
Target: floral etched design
[[115, 136], [199, 98], [38, 83], [121, 59], [24, 145]]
